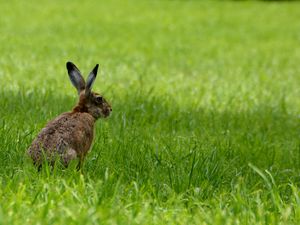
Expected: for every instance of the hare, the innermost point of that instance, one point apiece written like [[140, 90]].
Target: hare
[[70, 135]]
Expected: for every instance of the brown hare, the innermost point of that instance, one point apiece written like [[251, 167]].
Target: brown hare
[[70, 135]]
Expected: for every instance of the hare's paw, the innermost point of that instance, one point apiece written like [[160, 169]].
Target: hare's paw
[[70, 154]]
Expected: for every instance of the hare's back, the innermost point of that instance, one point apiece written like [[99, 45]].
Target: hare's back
[[69, 130]]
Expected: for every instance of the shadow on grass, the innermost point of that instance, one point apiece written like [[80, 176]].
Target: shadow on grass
[[152, 140]]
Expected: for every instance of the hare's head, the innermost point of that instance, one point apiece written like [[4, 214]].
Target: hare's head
[[89, 101]]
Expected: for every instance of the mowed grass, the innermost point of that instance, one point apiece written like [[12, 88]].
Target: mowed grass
[[206, 104]]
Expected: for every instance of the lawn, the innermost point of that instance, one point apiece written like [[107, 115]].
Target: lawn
[[206, 106]]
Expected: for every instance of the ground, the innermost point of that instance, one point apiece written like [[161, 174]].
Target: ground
[[205, 123]]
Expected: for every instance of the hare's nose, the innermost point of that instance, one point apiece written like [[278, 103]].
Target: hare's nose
[[110, 109]]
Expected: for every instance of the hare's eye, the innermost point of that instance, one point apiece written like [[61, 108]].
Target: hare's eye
[[99, 99]]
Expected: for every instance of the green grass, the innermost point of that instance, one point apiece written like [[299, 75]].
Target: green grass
[[205, 124]]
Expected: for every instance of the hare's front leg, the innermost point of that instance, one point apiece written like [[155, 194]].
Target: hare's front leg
[[80, 163]]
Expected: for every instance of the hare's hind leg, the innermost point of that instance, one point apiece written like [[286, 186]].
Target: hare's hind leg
[[70, 154]]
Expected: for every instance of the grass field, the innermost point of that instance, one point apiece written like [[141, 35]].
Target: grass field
[[206, 104]]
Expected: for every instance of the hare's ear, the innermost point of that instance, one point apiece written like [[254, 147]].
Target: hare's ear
[[90, 80], [75, 77]]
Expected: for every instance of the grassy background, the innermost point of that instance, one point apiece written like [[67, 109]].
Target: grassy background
[[205, 124]]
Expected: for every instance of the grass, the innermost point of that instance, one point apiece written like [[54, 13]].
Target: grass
[[205, 123]]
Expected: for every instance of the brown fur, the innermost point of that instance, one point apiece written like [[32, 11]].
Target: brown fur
[[67, 131], [70, 135]]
